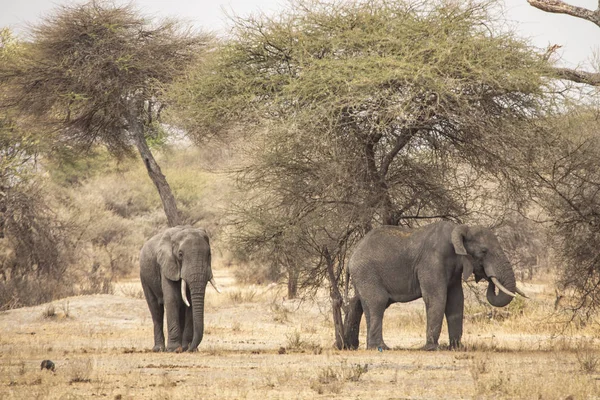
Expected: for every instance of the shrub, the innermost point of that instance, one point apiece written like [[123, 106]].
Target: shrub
[[38, 246]]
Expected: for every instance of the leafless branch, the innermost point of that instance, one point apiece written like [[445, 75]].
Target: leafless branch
[[560, 7]]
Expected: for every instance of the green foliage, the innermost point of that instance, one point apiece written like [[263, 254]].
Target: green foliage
[[323, 63]]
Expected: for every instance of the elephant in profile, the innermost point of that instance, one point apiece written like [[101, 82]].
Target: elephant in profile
[[392, 264], [176, 265]]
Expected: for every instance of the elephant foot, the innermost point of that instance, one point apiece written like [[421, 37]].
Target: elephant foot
[[455, 345], [430, 347], [158, 348], [175, 349], [381, 347], [188, 348]]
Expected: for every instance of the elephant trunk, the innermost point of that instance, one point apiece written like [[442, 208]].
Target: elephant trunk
[[197, 296], [505, 277]]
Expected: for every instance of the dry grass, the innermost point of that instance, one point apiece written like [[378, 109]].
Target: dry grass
[[241, 296], [261, 347]]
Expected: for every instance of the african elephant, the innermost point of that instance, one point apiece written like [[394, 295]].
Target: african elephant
[[176, 264], [393, 264]]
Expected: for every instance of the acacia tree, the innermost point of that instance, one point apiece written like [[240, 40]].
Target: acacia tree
[[96, 73], [365, 113]]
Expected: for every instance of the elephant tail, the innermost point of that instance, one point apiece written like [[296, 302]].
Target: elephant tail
[[352, 323]]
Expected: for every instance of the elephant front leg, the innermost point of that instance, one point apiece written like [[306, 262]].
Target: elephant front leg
[[173, 305], [188, 328], [158, 314], [455, 305], [159, 334], [435, 304], [174, 333]]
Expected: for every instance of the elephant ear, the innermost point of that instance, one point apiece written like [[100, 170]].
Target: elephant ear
[[169, 266], [457, 238], [467, 267], [204, 234]]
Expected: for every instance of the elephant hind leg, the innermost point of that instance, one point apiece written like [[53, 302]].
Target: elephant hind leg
[[352, 323]]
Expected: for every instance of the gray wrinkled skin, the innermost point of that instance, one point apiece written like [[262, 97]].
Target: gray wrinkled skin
[[178, 253], [393, 264]]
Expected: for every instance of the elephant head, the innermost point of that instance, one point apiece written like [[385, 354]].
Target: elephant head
[[184, 254], [483, 256]]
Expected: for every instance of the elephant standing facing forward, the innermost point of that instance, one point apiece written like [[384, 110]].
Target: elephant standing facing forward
[[393, 264], [176, 264]]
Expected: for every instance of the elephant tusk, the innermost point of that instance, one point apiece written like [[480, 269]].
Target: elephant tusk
[[502, 288], [519, 291], [214, 284], [184, 292]]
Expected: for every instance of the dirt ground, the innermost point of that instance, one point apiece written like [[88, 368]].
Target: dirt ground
[[258, 345]]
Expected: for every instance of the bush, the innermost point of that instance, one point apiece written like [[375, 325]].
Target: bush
[[256, 273], [37, 249]]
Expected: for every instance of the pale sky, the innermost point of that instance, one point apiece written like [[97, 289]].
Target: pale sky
[[580, 39]]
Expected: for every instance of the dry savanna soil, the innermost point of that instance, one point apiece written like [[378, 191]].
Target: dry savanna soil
[[258, 345]]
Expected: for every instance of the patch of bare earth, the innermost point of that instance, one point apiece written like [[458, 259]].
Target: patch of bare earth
[[257, 345]]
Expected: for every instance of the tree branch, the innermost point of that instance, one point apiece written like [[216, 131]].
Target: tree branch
[[401, 141], [560, 7], [589, 78]]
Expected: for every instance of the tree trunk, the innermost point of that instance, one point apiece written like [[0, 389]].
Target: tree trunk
[[136, 129], [338, 322], [354, 312], [336, 302], [292, 284]]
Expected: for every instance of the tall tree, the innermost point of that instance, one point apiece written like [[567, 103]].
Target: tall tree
[[96, 73], [365, 113]]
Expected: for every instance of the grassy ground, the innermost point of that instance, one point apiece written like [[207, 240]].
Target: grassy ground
[[257, 345]]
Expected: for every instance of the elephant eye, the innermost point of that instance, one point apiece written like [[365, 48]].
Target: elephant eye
[[180, 254]]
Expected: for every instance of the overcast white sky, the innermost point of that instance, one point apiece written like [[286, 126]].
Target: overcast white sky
[[580, 39]]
